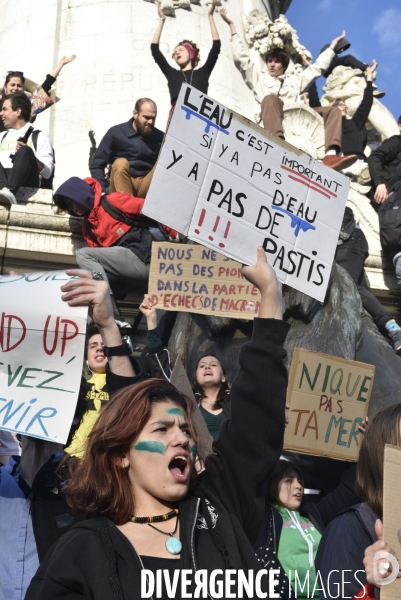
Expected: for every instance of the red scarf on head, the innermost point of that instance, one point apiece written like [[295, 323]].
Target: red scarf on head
[[191, 51]]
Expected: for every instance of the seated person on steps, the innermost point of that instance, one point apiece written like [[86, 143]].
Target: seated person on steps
[[26, 154], [351, 138], [280, 84], [118, 235], [132, 148]]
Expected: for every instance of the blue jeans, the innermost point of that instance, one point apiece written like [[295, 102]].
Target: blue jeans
[[397, 266]]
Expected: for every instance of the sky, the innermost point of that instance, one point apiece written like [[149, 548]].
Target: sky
[[372, 26]]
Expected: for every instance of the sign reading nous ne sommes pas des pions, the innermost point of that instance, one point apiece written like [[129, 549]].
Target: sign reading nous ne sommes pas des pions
[[229, 185], [41, 350]]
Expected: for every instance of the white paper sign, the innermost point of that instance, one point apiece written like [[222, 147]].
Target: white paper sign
[[228, 184], [41, 351]]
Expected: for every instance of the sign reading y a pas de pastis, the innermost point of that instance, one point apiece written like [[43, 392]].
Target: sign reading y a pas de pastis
[[229, 185], [41, 351]]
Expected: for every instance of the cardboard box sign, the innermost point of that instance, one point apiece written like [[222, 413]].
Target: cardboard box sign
[[328, 398], [192, 278], [391, 514], [229, 185], [42, 343]]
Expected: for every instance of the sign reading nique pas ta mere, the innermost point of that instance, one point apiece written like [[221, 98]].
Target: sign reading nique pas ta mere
[[193, 278], [229, 185], [328, 398], [41, 350]]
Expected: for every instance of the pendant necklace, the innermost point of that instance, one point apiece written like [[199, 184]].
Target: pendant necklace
[[173, 545], [185, 77]]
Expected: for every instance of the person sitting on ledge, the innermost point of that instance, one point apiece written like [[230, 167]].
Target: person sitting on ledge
[[132, 148], [118, 247], [351, 128], [280, 84], [26, 154]]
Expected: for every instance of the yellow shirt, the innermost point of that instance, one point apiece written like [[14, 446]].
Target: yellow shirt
[[96, 397]]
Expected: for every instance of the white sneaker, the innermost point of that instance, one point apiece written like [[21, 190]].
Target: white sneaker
[[8, 196]]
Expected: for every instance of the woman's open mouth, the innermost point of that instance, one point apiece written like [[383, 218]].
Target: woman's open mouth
[[179, 467]]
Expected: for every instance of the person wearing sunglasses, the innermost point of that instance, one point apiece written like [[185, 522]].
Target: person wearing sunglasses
[[39, 96]]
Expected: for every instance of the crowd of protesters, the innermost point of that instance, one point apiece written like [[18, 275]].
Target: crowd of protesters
[[135, 487]]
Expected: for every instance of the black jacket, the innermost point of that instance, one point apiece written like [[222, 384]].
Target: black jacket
[[351, 141], [123, 141], [384, 161], [345, 61], [342, 548], [320, 513], [231, 487], [198, 78]]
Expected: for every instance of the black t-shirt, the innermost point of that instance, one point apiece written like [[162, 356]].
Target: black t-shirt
[[198, 78], [155, 563]]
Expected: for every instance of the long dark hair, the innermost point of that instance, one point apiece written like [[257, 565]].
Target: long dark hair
[[99, 484], [384, 428], [224, 391], [285, 468]]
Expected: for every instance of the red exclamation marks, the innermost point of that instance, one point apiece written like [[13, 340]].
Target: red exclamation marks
[[201, 219], [215, 227], [216, 224], [221, 245]]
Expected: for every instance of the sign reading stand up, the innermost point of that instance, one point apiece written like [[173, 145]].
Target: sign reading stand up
[[41, 351], [229, 185]]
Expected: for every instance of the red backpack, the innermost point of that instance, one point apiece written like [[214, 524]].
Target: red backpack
[[112, 216]]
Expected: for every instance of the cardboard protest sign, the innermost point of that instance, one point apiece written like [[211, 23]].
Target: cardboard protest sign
[[193, 278], [391, 514], [41, 351], [228, 184], [180, 379], [328, 398]]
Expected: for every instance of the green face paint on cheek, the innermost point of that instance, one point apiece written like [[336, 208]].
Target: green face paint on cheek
[[150, 447], [175, 411], [193, 450]]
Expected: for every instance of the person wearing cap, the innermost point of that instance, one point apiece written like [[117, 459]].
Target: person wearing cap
[[186, 55], [279, 83], [115, 248], [132, 149]]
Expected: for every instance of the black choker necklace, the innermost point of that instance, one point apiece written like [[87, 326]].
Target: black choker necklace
[[158, 519]]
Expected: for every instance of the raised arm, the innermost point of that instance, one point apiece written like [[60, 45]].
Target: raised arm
[[241, 56], [62, 62], [321, 64], [159, 28], [362, 113], [250, 443], [230, 22], [213, 28], [95, 294]]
